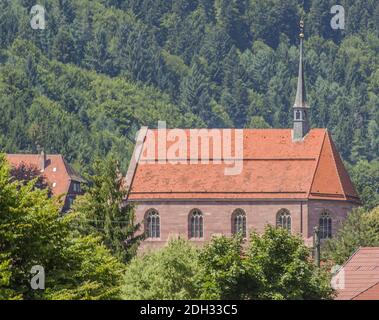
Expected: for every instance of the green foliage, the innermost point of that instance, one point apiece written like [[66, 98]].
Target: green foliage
[[365, 176], [222, 269], [194, 92], [168, 273], [258, 123], [360, 229], [102, 210], [275, 265], [32, 232], [278, 266], [6, 293]]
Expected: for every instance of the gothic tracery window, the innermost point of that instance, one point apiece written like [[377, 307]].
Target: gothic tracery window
[[325, 225], [283, 219], [239, 222], [196, 224], [153, 224]]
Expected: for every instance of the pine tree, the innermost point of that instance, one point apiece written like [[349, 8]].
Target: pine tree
[[104, 212], [64, 46], [373, 138], [68, 10], [358, 150], [194, 92], [98, 55], [140, 55], [217, 44], [230, 16]]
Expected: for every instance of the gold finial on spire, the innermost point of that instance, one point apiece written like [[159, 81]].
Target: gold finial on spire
[[302, 28]]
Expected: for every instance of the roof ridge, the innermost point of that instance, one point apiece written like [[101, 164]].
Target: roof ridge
[[243, 129], [370, 287]]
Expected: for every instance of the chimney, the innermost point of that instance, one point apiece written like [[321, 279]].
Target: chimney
[[42, 159]]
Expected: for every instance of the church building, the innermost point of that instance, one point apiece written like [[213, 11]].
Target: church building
[[292, 178]]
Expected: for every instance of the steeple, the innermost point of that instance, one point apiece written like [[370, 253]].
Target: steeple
[[300, 122]]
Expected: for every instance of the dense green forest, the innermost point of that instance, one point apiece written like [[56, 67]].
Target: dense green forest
[[102, 68]]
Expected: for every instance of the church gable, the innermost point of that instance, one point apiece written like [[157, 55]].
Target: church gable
[[331, 179]]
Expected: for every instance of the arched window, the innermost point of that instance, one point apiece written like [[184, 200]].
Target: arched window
[[283, 219], [239, 222], [297, 115], [325, 225], [152, 226], [196, 224]]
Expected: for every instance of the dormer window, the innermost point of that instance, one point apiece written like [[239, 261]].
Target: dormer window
[[76, 187]]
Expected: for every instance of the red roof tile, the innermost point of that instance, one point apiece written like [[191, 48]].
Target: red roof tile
[[57, 172], [371, 293], [360, 275], [331, 177], [273, 167]]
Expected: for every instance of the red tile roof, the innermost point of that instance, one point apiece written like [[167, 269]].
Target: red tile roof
[[360, 275], [371, 293], [274, 167], [57, 172]]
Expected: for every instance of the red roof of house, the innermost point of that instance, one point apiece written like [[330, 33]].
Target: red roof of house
[[371, 293], [274, 167], [359, 277], [57, 172]]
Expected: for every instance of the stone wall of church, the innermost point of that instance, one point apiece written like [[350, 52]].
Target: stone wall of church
[[174, 217], [338, 211]]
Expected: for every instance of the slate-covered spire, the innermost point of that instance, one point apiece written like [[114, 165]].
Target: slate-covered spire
[[301, 123], [301, 95]]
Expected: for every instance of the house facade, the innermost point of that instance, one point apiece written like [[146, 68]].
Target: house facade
[[199, 183], [60, 177]]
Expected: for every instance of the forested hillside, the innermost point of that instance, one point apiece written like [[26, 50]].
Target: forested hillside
[[102, 68]]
